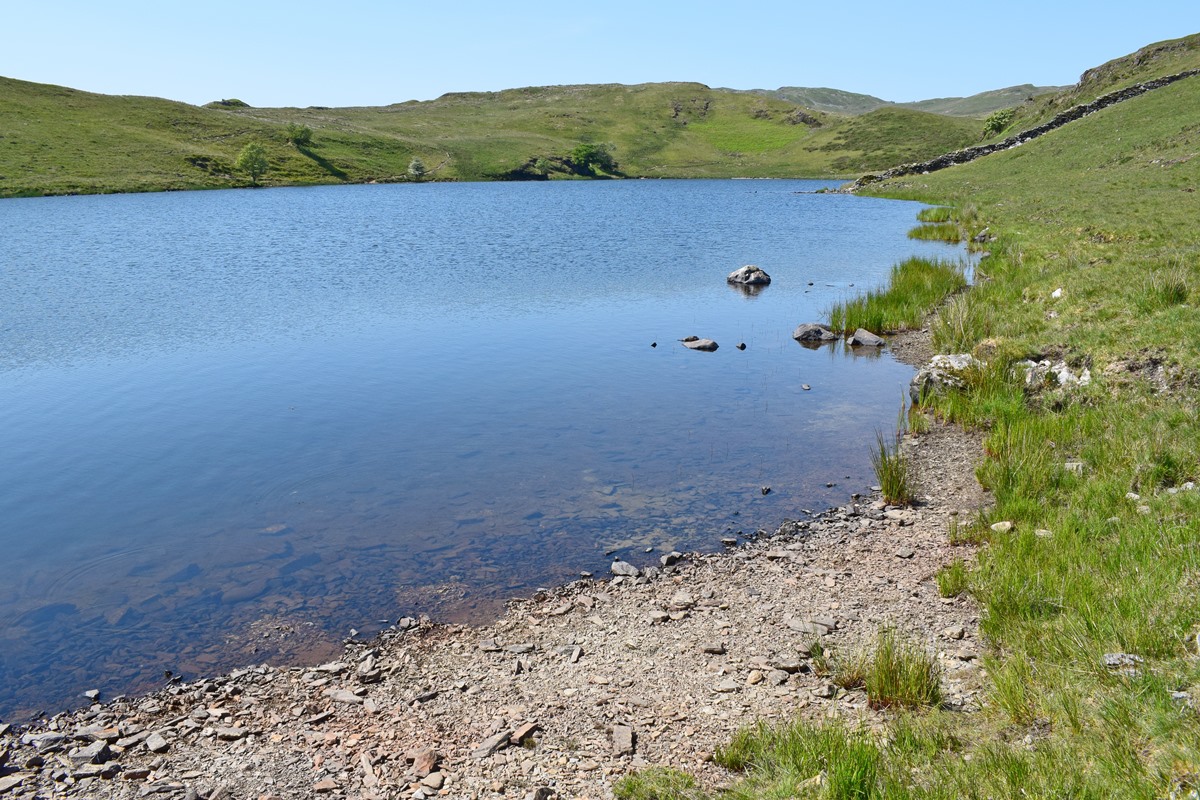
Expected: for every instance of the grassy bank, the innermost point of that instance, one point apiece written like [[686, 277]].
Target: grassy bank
[[1089, 573]]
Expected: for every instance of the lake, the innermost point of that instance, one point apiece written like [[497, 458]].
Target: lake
[[236, 425]]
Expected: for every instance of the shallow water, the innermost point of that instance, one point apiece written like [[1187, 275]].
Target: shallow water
[[235, 425]]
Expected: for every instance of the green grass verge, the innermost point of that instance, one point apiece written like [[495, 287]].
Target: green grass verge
[[915, 288]]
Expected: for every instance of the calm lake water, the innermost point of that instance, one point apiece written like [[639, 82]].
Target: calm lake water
[[235, 425]]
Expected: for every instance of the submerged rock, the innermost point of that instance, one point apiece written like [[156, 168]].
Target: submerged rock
[[696, 343], [864, 338], [749, 275], [813, 332]]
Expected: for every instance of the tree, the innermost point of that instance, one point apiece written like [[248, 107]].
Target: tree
[[587, 157], [299, 135], [253, 161], [416, 169]]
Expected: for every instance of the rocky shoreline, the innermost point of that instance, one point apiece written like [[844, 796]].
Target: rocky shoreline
[[568, 690]]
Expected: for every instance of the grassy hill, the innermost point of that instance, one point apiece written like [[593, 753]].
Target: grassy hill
[[55, 140]]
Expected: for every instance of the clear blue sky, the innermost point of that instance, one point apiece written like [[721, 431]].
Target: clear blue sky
[[361, 52]]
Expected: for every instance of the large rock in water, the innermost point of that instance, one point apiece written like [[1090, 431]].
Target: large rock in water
[[812, 332], [749, 275], [864, 338], [696, 343], [943, 372]]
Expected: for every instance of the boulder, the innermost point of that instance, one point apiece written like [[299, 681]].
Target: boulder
[[943, 372], [696, 343], [864, 338], [812, 332], [749, 275]]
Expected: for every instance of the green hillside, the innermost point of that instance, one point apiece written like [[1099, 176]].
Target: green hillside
[[55, 140]]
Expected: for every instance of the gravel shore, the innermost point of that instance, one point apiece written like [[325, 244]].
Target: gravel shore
[[568, 690]]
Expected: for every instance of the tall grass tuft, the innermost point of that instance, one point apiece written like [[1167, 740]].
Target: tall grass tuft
[[1163, 290], [916, 287], [952, 579], [961, 324], [937, 232], [935, 214], [900, 673], [891, 470]]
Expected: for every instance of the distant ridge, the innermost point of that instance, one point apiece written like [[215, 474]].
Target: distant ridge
[[838, 101]]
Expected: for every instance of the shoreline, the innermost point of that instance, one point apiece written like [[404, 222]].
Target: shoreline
[[567, 690]]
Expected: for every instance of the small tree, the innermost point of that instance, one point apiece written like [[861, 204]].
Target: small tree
[[299, 135], [253, 161], [586, 157], [416, 169], [997, 121]]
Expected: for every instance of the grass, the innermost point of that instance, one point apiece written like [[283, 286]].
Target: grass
[[952, 579], [916, 286], [937, 232]]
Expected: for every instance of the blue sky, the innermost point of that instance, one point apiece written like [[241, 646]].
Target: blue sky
[[358, 52]]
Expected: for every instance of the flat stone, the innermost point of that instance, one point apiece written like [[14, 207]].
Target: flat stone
[[489, 646], [825, 691], [492, 744], [727, 686], [681, 601], [434, 780], [955, 632], [94, 753], [524, 732], [13, 781], [807, 626], [713, 648], [696, 343], [426, 761], [905, 552], [624, 740], [343, 696], [231, 734], [157, 743], [325, 786], [520, 649], [1002, 527], [670, 559], [787, 665]]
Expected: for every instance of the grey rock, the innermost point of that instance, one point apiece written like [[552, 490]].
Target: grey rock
[[624, 568], [825, 691], [807, 626], [713, 648], [521, 649], [1121, 660], [624, 740], [157, 743], [905, 552], [1002, 527], [727, 686], [749, 275], [670, 559], [426, 761], [231, 734], [343, 696], [681, 601], [434, 780], [489, 646], [812, 332], [864, 338], [787, 665]]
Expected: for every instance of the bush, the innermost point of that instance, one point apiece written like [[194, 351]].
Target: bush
[[997, 121]]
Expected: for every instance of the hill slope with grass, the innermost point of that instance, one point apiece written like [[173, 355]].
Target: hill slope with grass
[[55, 140], [1085, 385]]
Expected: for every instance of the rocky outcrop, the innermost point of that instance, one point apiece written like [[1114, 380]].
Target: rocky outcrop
[[941, 373], [749, 275], [968, 154]]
